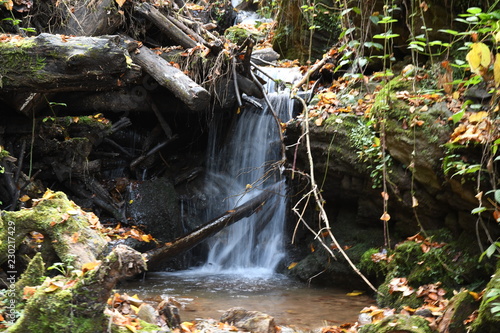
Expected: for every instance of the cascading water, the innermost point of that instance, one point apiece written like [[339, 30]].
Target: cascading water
[[245, 167]]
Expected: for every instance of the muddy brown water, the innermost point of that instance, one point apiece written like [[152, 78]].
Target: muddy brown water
[[291, 303]]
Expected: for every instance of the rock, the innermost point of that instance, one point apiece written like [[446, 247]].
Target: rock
[[169, 313], [459, 309], [398, 324], [264, 56], [252, 321], [154, 204], [147, 313]]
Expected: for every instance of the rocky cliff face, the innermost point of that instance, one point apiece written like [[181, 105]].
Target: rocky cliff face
[[421, 195]]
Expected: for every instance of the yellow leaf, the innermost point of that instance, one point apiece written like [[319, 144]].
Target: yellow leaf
[[355, 293], [497, 37], [130, 327], [477, 117], [414, 202], [496, 69], [48, 194], [319, 121], [456, 95], [478, 56], [52, 287], [8, 5], [90, 266], [24, 198], [248, 186], [292, 265], [120, 2]]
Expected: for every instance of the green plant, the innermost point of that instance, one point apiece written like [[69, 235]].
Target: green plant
[[66, 268]]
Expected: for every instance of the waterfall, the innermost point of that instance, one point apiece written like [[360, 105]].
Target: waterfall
[[243, 168]]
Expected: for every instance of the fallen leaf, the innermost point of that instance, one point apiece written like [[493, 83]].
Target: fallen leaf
[[90, 266], [385, 217], [292, 265], [496, 69], [75, 237]]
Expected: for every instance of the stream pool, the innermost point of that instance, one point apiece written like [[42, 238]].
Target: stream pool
[[291, 303]]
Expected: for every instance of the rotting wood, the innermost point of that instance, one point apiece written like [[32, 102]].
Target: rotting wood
[[184, 243], [56, 63], [192, 94]]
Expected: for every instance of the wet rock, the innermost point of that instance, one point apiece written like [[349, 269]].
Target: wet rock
[[147, 313], [154, 205], [252, 321], [398, 324], [169, 313]]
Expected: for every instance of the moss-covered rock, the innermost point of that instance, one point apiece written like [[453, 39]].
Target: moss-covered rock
[[488, 321], [398, 324], [460, 307], [67, 228]]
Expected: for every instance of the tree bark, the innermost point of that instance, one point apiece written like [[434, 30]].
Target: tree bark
[[54, 63], [193, 95], [184, 243]]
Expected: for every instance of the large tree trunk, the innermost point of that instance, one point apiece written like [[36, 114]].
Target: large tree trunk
[[49, 63], [184, 243]]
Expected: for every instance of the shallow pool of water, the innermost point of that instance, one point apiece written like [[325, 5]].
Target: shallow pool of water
[[291, 303]]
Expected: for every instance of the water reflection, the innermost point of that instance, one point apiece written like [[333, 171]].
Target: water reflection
[[291, 303]]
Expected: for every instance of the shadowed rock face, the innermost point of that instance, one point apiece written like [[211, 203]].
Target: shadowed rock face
[[154, 204]]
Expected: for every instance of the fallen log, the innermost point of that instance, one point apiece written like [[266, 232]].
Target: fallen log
[[54, 63], [192, 94], [184, 243], [165, 25]]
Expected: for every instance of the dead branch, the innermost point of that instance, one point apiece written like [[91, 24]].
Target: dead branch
[[184, 243]]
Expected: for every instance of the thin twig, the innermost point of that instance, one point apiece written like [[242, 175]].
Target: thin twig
[[319, 200]]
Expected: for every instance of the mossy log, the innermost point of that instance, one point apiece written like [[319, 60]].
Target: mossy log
[[65, 227], [78, 308], [184, 243], [192, 94], [54, 63]]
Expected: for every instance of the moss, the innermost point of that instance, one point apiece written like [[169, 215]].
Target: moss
[[238, 34], [14, 59], [32, 276], [398, 323], [367, 265], [487, 322], [452, 264], [54, 312]]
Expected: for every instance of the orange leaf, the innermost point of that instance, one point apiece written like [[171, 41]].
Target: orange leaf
[[385, 195], [385, 217], [496, 215], [24, 198], [28, 291], [90, 266], [120, 2], [74, 237]]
